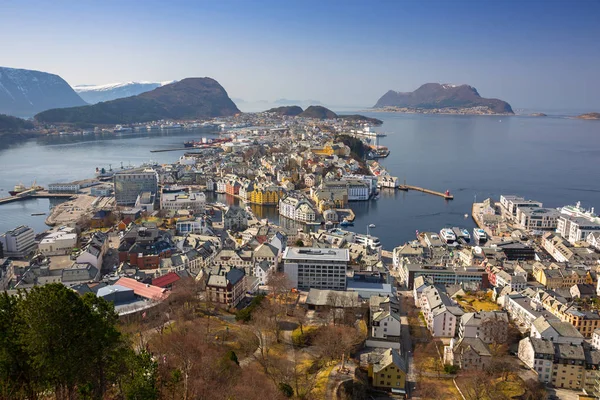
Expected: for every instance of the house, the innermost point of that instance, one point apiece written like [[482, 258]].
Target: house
[[468, 354], [388, 371], [384, 324], [235, 219], [489, 326], [583, 291], [166, 281], [515, 282], [227, 286], [59, 242], [80, 273], [555, 330], [93, 251], [440, 312], [538, 354]]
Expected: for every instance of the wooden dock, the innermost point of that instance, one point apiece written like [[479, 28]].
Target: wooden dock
[[446, 196]]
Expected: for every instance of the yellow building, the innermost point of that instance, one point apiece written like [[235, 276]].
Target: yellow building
[[553, 278], [569, 366], [266, 196], [388, 372], [586, 322]]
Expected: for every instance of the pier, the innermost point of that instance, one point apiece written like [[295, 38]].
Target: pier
[[445, 195], [36, 195]]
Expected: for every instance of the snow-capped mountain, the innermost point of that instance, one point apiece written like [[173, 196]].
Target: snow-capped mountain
[[24, 92], [96, 93]]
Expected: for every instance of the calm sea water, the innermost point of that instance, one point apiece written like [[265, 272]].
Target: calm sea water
[[551, 159]]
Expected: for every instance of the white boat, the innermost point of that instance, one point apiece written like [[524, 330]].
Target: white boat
[[479, 235], [121, 129], [447, 236]]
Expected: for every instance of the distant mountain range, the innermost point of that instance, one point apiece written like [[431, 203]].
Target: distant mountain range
[[24, 93], [191, 98], [287, 102], [93, 94], [435, 95]]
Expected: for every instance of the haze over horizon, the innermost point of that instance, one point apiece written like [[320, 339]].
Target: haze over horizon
[[533, 54]]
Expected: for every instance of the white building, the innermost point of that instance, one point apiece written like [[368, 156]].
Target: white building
[[58, 243], [183, 201], [440, 312], [316, 268], [145, 201], [489, 326], [512, 203], [93, 252], [18, 242], [221, 186], [538, 354], [575, 229], [358, 190], [64, 188], [537, 218], [385, 323], [596, 339], [594, 240], [515, 282], [555, 330], [198, 226], [298, 209]]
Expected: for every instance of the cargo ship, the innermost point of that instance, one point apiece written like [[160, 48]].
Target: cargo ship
[[21, 188]]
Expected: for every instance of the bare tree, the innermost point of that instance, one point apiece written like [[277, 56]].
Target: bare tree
[[476, 384]]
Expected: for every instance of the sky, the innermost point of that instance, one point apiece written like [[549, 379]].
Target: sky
[[533, 54]]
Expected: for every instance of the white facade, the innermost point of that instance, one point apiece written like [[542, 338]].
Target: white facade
[[537, 218], [64, 188], [385, 324], [596, 339], [221, 186], [515, 282], [297, 209], [575, 229], [358, 190], [59, 242], [512, 203], [316, 268], [18, 242], [183, 201]]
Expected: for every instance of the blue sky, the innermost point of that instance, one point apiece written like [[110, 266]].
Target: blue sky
[[533, 54]]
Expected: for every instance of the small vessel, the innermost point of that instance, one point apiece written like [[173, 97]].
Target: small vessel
[[466, 216], [345, 222], [121, 129], [479, 235], [35, 214], [447, 236], [17, 189]]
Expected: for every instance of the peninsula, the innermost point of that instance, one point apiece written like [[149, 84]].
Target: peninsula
[[435, 98], [593, 115]]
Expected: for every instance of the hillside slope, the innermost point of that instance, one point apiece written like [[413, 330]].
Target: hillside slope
[[24, 92], [191, 98]]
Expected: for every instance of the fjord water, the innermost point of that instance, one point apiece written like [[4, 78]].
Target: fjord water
[[555, 160]]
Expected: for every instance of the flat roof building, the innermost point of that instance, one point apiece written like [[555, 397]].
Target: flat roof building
[[315, 268]]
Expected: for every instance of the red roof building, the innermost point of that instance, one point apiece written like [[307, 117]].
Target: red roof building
[[147, 291], [166, 281]]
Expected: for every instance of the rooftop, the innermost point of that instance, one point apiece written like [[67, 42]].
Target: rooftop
[[307, 253]]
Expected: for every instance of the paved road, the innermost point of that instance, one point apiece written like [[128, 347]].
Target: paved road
[[407, 346]]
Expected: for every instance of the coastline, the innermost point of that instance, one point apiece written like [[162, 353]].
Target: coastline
[[429, 112]]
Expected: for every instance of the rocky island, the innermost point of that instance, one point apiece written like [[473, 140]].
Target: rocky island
[[435, 98], [594, 116]]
